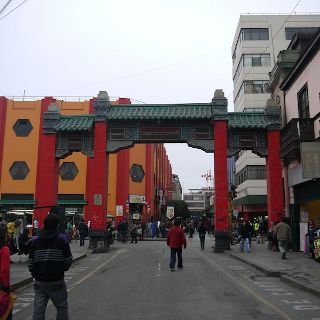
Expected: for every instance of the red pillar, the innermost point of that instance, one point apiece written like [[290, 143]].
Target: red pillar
[[122, 189], [46, 193], [275, 196], [148, 185], [221, 185], [96, 187], [3, 115]]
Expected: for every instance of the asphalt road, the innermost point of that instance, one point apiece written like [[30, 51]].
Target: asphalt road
[[133, 281]]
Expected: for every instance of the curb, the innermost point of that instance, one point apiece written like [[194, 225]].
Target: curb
[[299, 285], [267, 271], [23, 282], [283, 277]]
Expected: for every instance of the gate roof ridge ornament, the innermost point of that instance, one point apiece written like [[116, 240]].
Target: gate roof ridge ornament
[[219, 105], [101, 105]]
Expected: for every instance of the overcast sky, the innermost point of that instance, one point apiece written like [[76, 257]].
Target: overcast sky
[[152, 51]]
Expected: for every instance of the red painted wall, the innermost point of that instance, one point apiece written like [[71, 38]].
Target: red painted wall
[[275, 198], [3, 115], [47, 169], [148, 180]]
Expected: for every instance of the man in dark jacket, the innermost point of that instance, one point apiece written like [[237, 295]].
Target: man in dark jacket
[[49, 258], [175, 240], [83, 231]]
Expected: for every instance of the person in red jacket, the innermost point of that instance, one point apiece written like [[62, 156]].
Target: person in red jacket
[[175, 240], [4, 272]]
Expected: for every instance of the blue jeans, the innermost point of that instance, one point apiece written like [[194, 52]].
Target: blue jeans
[[57, 292], [176, 252], [245, 242]]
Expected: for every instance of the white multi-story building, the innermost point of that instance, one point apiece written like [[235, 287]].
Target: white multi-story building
[[198, 200], [257, 42]]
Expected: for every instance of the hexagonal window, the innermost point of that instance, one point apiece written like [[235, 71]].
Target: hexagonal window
[[68, 171], [22, 127], [19, 170], [136, 173]]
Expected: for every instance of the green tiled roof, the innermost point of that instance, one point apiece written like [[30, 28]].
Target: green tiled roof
[[75, 123], [64, 202], [16, 202], [247, 120], [158, 112]]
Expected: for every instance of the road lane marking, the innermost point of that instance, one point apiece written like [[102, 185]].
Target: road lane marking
[[255, 295], [96, 269]]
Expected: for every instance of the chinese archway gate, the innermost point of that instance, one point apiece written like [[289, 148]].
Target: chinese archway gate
[[109, 128]]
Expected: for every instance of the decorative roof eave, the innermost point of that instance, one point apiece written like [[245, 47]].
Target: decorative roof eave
[[246, 120], [75, 123], [199, 111]]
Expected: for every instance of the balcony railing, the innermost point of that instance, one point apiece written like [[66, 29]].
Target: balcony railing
[[296, 131]]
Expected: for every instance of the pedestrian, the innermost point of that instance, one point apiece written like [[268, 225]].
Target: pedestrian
[[245, 231], [202, 235], [35, 226], [176, 240], [83, 231], [68, 231], [134, 232], [282, 232], [4, 274], [191, 228], [49, 258], [312, 234]]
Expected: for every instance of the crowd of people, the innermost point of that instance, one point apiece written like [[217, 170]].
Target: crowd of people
[[278, 234]]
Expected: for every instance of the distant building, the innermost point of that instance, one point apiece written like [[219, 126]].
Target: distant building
[[198, 200], [176, 193], [257, 42]]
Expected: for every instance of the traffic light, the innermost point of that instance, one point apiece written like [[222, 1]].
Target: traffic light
[[233, 191]]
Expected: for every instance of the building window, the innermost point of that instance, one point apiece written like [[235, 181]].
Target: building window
[[22, 127], [290, 32], [68, 171], [254, 34], [19, 170], [303, 103], [251, 173], [252, 60], [136, 173], [254, 86]]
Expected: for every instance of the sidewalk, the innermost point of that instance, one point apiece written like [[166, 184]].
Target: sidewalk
[[19, 272], [297, 269]]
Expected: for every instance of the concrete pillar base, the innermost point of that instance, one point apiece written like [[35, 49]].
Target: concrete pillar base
[[222, 241], [99, 241]]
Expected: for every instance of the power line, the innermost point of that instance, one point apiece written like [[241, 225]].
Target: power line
[[5, 6], [270, 42], [22, 3]]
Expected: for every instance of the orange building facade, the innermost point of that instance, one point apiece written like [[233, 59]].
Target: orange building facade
[[137, 178]]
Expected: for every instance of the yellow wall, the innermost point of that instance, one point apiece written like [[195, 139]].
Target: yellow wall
[[137, 156], [78, 185], [21, 148], [112, 185]]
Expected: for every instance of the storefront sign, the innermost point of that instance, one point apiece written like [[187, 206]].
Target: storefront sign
[[133, 198], [97, 199], [310, 158], [162, 133], [119, 211], [170, 212]]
